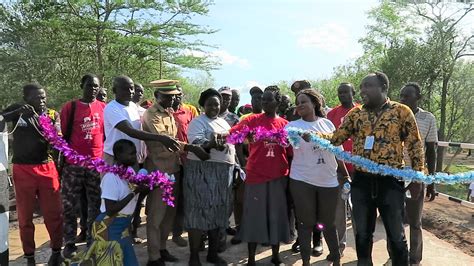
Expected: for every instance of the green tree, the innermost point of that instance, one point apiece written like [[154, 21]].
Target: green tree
[[451, 46], [55, 43]]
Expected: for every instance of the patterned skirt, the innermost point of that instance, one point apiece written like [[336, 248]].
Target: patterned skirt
[[207, 194], [112, 244]]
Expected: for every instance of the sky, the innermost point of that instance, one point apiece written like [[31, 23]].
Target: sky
[[263, 42]]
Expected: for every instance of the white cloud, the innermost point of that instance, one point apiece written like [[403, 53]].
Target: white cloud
[[223, 56], [330, 37], [228, 59]]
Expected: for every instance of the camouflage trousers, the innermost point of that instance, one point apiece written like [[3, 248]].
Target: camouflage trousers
[[75, 180]]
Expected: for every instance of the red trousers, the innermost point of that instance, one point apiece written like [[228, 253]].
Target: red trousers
[[38, 182]]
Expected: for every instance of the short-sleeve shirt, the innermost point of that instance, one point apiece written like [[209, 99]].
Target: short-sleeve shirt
[[114, 188], [201, 129], [267, 161], [191, 108], [336, 116], [29, 146], [183, 117], [115, 113], [87, 135], [311, 164], [426, 122], [231, 118]]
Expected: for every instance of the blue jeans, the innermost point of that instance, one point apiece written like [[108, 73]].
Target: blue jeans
[[369, 193]]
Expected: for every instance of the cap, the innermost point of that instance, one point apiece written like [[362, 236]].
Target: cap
[[166, 86], [225, 90]]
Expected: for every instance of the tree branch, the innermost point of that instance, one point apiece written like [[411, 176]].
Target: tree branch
[[466, 42], [460, 18]]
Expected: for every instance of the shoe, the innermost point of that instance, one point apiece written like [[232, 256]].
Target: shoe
[[70, 250], [231, 231], [202, 247], [317, 251], [251, 262], [296, 247], [194, 260], [158, 262], [180, 241], [222, 248], [332, 258], [216, 260], [138, 240], [235, 241], [166, 256], [276, 261], [30, 260], [82, 237], [55, 259]]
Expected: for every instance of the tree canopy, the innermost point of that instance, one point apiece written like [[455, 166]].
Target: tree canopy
[[54, 43]]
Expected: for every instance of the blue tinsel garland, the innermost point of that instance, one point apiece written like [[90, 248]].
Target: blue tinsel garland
[[294, 137]]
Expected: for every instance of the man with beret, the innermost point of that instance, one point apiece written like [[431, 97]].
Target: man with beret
[[158, 119]]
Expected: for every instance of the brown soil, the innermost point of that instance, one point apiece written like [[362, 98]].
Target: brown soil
[[451, 222]]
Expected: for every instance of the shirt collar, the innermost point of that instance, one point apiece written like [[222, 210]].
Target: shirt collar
[[387, 104], [160, 108]]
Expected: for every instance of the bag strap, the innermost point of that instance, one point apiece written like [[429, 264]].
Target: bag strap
[[68, 133]]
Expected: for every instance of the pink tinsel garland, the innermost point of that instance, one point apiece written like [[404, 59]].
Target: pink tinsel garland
[[152, 180], [279, 136]]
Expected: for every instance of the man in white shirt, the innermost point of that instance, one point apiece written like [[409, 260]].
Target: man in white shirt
[[122, 120], [410, 95]]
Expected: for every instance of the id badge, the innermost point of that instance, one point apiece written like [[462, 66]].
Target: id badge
[[369, 143]]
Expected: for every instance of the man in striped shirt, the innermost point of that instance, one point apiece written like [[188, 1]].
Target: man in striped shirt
[[410, 95]]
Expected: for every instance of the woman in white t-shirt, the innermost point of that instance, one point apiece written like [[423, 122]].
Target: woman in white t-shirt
[[112, 244], [314, 182], [207, 186]]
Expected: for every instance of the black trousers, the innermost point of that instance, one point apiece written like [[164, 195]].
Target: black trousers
[[383, 193]]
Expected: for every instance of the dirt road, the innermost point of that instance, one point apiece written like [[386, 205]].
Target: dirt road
[[436, 251]]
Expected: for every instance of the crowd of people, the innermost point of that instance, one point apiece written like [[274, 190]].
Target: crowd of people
[[277, 194]]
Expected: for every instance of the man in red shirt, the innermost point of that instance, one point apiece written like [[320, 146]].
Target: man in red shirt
[[345, 93], [183, 114], [82, 122]]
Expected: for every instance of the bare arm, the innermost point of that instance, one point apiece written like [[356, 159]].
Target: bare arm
[[128, 129], [342, 171], [239, 150], [112, 207]]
